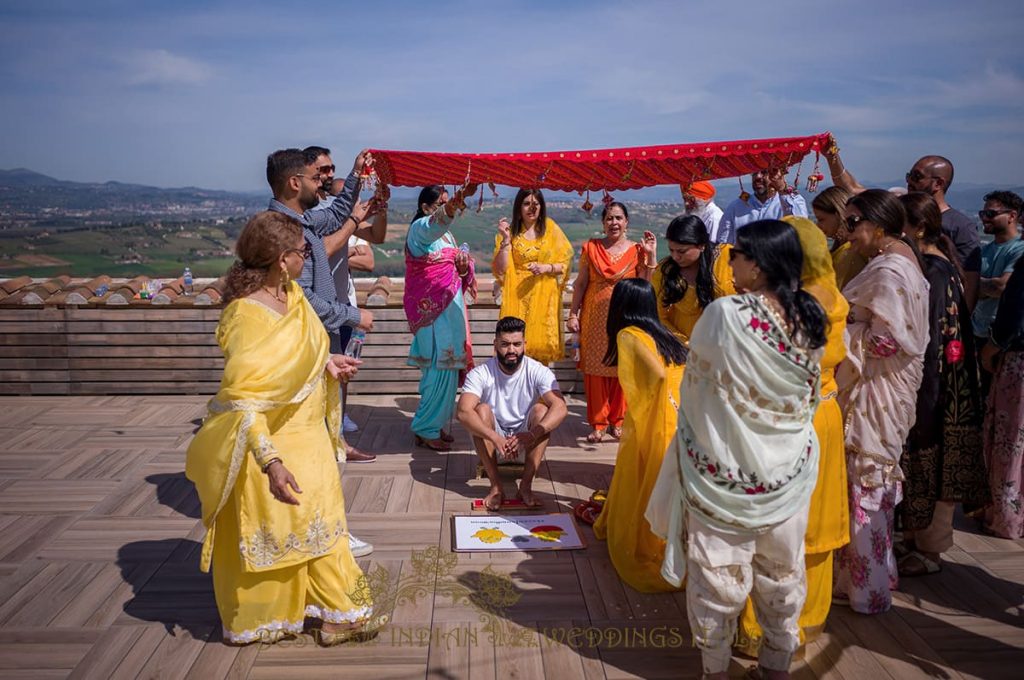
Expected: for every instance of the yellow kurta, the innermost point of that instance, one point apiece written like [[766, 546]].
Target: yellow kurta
[[274, 564], [847, 263], [681, 317], [537, 298], [651, 388], [828, 524]]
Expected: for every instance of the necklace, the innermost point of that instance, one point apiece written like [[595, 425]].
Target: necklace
[[886, 247], [273, 294]]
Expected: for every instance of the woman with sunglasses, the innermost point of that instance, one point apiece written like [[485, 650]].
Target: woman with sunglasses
[[887, 335], [738, 476], [603, 263], [688, 279], [533, 259], [438, 274], [264, 461]]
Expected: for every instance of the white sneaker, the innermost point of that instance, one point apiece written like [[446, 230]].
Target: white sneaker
[[359, 548], [348, 425]]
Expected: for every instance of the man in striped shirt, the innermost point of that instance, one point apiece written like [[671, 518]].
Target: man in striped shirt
[[295, 181]]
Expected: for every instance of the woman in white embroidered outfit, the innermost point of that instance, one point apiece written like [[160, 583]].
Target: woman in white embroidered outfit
[[887, 335], [264, 461], [736, 482]]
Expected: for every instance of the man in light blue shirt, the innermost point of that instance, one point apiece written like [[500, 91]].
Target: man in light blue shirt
[[998, 257], [772, 199]]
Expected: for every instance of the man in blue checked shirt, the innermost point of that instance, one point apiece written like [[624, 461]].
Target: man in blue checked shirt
[[295, 180]]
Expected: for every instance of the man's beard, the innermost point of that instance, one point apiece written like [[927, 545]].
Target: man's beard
[[309, 202], [510, 364]]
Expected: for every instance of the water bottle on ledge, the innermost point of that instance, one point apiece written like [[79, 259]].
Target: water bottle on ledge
[[186, 282], [354, 348]]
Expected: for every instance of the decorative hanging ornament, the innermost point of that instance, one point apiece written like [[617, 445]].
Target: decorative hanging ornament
[[480, 204], [587, 206], [607, 199], [815, 177], [368, 180], [744, 195]]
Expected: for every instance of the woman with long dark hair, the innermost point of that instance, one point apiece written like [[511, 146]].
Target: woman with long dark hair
[[685, 281], [828, 521], [437, 275], [887, 335], [650, 361], [943, 463], [532, 259], [603, 263], [739, 474]]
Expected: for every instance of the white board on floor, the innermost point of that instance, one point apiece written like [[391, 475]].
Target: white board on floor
[[491, 533]]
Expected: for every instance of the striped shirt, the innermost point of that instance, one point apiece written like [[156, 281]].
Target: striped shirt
[[316, 279]]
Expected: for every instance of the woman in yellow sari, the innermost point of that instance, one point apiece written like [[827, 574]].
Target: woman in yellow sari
[[688, 279], [828, 524], [650, 363], [829, 208], [532, 259], [264, 461]]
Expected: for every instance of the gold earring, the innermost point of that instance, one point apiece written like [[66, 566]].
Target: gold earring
[[284, 277], [920, 234]]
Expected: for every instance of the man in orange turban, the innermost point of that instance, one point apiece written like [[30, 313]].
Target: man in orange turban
[[699, 200]]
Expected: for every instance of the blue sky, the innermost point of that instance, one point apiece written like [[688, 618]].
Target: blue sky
[[197, 93]]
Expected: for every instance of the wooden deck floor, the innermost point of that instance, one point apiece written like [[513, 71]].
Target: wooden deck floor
[[99, 571]]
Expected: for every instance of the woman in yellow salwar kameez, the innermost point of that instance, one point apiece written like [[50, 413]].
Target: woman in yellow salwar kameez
[[690, 278], [532, 259], [650, 366], [828, 524], [265, 460]]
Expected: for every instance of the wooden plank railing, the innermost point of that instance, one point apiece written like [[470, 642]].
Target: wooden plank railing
[[169, 349]]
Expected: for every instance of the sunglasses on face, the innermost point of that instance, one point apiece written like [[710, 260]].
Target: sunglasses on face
[[326, 169], [853, 220], [989, 214], [306, 251], [917, 176], [734, 251], [316, 178]]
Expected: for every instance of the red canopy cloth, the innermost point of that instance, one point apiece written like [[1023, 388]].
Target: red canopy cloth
[[596, 169]]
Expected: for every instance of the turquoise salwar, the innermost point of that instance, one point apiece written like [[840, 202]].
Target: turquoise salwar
[[439, 349]]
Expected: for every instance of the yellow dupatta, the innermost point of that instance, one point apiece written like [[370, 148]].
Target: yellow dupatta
[[537, 299], [267, 366]]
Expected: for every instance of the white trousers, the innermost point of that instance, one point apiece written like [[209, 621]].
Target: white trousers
[[724, 568]]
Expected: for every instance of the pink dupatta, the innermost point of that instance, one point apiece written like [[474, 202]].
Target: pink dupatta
[[431, 282]]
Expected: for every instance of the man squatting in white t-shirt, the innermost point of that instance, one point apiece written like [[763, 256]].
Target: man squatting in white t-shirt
[[511, 404]]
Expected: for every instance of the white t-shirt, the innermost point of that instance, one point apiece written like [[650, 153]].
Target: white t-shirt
[[510, 396], [353, 241]]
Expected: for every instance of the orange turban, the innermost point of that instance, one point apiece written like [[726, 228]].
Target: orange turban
[[701, 190]]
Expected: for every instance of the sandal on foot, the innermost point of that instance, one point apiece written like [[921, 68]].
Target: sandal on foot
[[446, 437], [362, 633], [615, 431], [916, 563], [433, 444], [595, 437]]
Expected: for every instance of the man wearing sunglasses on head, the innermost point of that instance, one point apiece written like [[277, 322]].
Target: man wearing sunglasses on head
[[1000, 218]]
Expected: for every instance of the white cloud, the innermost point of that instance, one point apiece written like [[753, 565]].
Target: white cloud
[[160, 67]]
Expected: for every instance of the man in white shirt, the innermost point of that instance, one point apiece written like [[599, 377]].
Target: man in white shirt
[[773, 199], [699, 200], [510, 405]]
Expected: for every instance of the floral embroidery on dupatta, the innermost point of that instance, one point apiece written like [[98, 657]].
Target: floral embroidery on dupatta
[[263, 549]]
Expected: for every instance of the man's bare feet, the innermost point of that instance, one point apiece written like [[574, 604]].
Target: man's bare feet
[[527, 497], [493, 500]]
